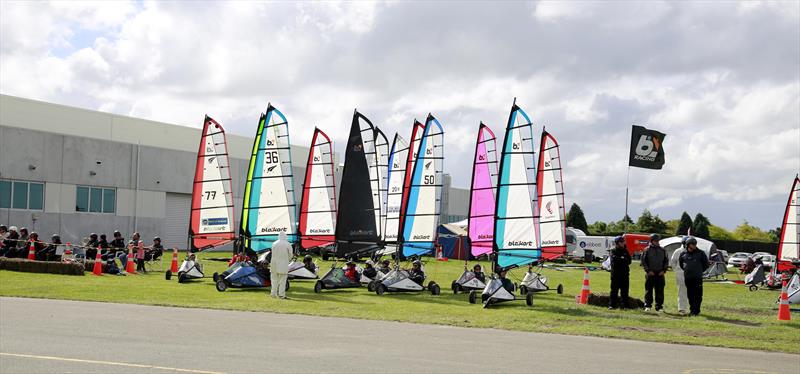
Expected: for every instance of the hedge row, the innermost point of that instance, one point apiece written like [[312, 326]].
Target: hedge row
[[602, 299], [50, 267]]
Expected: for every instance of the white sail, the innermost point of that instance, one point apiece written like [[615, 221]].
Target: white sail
[[789, 247], [394, 196], [552, 228], [318, 207], [382, 152]]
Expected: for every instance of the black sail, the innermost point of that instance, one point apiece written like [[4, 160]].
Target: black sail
[[356, 231]]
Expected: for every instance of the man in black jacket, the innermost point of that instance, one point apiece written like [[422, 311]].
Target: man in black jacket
[[654, 262], [694, 263], [620, 273]]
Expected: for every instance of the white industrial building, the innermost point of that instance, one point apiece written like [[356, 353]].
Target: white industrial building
[[74, 171]]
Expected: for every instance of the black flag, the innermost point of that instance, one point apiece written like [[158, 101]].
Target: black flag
[[647, 150]]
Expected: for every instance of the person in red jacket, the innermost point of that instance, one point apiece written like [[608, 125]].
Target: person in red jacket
[[350, 272]]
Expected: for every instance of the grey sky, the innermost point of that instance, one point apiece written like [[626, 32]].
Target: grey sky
[[722, 79]]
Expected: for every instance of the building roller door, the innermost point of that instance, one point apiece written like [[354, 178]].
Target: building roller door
[[176, 228]]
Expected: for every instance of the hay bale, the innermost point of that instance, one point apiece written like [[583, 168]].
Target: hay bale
[[601, 299], [46, 267]]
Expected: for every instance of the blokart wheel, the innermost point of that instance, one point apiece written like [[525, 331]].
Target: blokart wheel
[[456, 288], [484, 297], [753, 287], [560, 289], [529, 299], [453, 285], [516, 286], [287, 285], [371, 286], [473, 296], [221, 286], [431, 283], [523, 290], [380, 289], [318, 287], [435, 290], [168, 275], [182, 277], [215, 277]]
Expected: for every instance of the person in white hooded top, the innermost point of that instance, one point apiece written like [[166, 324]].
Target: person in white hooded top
[[279, 265], [683, 299]]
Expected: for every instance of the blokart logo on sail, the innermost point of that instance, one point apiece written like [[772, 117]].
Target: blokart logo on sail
[[317, 159], [515, 146], [267, 230], [548, 207], [270, 142], [551, 242], [647, 148], [215, 221], [271, 168], [481, 158], [395, 166], [428, 165], [547, 164], [358, 148], [211, 159], [361, 232], [209, 149], [421, 237], [515, 243], [485, 236], [320, 231]]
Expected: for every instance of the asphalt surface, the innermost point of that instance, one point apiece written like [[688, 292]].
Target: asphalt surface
[[55, 336]]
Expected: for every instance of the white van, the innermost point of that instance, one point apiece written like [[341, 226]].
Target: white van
[[578, 242]]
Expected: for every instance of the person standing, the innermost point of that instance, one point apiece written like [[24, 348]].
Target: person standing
[[694, 263], [683, 301], [620, 273], [279, 266], [654, 262]]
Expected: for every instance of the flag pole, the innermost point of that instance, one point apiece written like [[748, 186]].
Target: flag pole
[[627, 185]]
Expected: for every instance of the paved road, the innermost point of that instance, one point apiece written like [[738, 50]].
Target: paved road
[[54, 336]]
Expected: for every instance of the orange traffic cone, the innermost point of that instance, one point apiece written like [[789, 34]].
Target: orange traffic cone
[[585, 290], [129, 267], [174, 267], [98, 263], [783, 309], [32, 252]]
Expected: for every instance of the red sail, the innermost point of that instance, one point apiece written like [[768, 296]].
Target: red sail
[[318, 204], [790, 231], [413, 149], [550, 189], [211, 222]]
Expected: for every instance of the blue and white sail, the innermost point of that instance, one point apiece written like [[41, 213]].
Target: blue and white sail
[[425, 192], [515, 229]]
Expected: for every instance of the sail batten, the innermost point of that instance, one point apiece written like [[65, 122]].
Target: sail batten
[[317, 223], [268, 204], [480, 224], [789, 245], [515, 227], [211, 219], [421, 217]]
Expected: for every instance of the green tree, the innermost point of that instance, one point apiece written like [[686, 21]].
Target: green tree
[[745, 231], [576, 219], [720, 233], [684, 225], [775, 234], [700, 226], [649, 223], [598, 228]]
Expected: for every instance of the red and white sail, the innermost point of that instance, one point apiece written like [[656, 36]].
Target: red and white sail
[[211, 222], [789, 247], [318, 202], [550, 183]]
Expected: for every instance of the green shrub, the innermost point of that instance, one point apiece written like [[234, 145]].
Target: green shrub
[[49, 267]]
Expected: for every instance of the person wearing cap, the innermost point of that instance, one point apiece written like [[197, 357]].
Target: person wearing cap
[[10, 242], [620, 274], [22, 242], [350, 271], [118, 249], [386, 267], [478, 271], [279, 265], [416, 273], [156, 250], [91, 246], [683, 301], [694, 263], [655, 262], [369, 270], [308, 263], [507, 284]]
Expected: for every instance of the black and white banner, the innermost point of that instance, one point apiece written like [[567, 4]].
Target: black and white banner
[[647, 150]]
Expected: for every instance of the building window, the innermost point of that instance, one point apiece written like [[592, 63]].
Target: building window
[[21, 195], [95, 199]]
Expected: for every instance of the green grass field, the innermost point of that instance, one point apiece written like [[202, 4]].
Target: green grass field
[[732, 315]]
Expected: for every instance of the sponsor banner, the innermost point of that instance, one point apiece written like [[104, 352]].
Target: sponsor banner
[[647, 150], [215, 221]]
